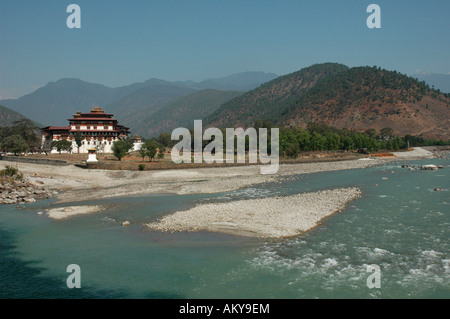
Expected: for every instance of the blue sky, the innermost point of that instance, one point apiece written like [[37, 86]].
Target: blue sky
[[121, 42]]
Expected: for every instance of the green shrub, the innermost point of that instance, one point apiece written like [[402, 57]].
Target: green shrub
[[11, 171]]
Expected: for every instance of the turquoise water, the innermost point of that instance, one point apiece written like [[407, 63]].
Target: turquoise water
[[400, 223]]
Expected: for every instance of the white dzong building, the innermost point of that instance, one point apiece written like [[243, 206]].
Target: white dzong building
[[98, 129]]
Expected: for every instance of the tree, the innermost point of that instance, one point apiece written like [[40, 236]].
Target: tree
[[143, 152], [62, 145], [387, 133], [78, 140], [347, 143], [318, 142], [267, 124], [162, 149], [165, 139], [304, 139], [258, 124], [100, 147], [333, 141], [358, 140], [371, 132], [151, 148], [15, 144], [292, 150], [129, 143], [27, 130], [121, 148]]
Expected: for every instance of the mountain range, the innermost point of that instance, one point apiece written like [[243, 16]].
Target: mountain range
[[55, 102], [183, 111], [332, 93]]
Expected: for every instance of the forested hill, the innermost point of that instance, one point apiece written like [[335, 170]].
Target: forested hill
[[370, 97], [356, 98], [263, 101]]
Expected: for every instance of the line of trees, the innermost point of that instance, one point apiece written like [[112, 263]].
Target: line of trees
[[322, 137], [21, 137], [150, 148], [24, 136], [121, 148]]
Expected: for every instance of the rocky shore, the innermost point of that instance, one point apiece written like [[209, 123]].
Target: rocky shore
[[75, 184], [14, 191]]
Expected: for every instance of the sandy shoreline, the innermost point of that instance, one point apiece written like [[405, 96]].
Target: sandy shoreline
[[69, 211], [282, 216]]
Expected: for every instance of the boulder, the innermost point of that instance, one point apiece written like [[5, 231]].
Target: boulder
[[429, 167], [126, 223], [22, 191], [21, 194], [9, 201]]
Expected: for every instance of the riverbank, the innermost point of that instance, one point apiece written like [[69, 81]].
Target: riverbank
[[75, 184]]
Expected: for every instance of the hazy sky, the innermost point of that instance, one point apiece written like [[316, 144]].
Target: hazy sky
[[121, 42]]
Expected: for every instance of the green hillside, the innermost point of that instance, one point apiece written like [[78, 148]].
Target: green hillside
[[263, 102], [363, 97], [142, 103], [357, 86], [183, 111], [333, 94]]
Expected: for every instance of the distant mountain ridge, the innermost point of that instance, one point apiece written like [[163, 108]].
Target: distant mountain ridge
[[141, 103], [183, 111], [54, 103], [244, 81]]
